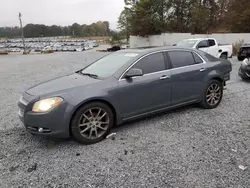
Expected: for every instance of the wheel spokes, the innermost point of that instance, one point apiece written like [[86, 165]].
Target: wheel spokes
[[91, 114], [103, 115], [86, 117], [93, 123], [90, 133], [96, 134], [99, 111], [84, 124], [102, 128], [85, 130], [213, 94], [217, 88]]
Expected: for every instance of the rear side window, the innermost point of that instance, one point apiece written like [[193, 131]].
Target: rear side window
[[211, 42], [151, 63], [181, 58]]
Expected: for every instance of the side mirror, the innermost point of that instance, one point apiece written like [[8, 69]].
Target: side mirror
[[174, 44], [134, 72]]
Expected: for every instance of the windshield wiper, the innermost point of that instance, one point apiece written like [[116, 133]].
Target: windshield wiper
[[89, 74]]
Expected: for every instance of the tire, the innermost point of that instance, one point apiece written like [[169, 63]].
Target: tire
[[243, 78], [240, 58], [223, 56], [95, 130], [206, 103]]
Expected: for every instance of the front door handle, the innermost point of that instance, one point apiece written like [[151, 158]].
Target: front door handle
[[202, 69], [164, 77]]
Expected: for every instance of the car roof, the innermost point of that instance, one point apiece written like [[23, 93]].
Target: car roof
[[199, 39], [151, 49], [246, 45]]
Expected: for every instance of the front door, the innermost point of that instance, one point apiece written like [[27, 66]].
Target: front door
[[149, 92], [213, 48], [188, 72]]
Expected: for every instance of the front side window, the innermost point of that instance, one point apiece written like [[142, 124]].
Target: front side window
[[151, 63], [203, 44], [181, 58], [211, 42], [108, 65]]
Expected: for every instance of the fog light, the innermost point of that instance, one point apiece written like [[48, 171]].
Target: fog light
[[40, 130]]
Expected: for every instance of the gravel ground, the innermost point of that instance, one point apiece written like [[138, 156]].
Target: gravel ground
[[188, 147]]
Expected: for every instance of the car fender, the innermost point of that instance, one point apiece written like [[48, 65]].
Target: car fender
[[87, 97], [214, 74]]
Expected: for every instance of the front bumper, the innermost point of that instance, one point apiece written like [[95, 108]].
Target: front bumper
[[244, 72], [54, 123]]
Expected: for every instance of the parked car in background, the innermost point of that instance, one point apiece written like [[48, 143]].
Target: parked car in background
[[243, 51], [244, 70], [114, 49], [123, 86], [208, 45], [124, 46]]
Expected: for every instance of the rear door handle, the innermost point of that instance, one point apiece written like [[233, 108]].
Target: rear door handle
[[164, 77], [202, 69]]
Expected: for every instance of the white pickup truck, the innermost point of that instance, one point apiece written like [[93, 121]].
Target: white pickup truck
[[208, 45]]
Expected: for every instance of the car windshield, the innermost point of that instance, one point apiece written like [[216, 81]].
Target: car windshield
[[187, 43], [108, 65]]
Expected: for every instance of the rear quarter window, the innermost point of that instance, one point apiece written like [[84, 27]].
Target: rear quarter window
[[209, 57]]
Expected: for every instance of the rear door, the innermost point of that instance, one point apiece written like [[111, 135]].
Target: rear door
[[188, 72], [149, 92]]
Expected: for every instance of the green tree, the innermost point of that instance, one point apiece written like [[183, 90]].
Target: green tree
[[157, 16], [124, 22], [76, 29], [238, 16], [145, 21]]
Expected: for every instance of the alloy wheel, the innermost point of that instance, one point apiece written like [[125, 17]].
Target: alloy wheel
[[93, 123], [213, 94]]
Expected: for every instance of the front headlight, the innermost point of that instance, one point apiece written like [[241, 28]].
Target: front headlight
[[46, 105], [244, 63]]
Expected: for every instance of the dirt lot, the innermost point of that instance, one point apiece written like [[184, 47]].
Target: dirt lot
[[188, 147]]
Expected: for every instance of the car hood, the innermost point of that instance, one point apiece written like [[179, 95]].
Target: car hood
[[61, 84]]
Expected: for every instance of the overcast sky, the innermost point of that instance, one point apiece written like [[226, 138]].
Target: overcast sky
[[60, 12]]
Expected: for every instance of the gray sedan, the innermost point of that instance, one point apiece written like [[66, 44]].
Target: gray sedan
[[122, 86]]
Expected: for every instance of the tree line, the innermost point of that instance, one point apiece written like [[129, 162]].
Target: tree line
[[149, 17], [38, 30]]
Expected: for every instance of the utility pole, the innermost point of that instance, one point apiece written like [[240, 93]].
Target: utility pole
[[162, 26], [21, 25]]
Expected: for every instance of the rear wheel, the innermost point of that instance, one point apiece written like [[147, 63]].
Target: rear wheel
[[212, 95], [92, 123], [223, 56]]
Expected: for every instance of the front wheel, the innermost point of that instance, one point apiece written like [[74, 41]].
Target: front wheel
[[92, 123], [240, 58], [212, 95]]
